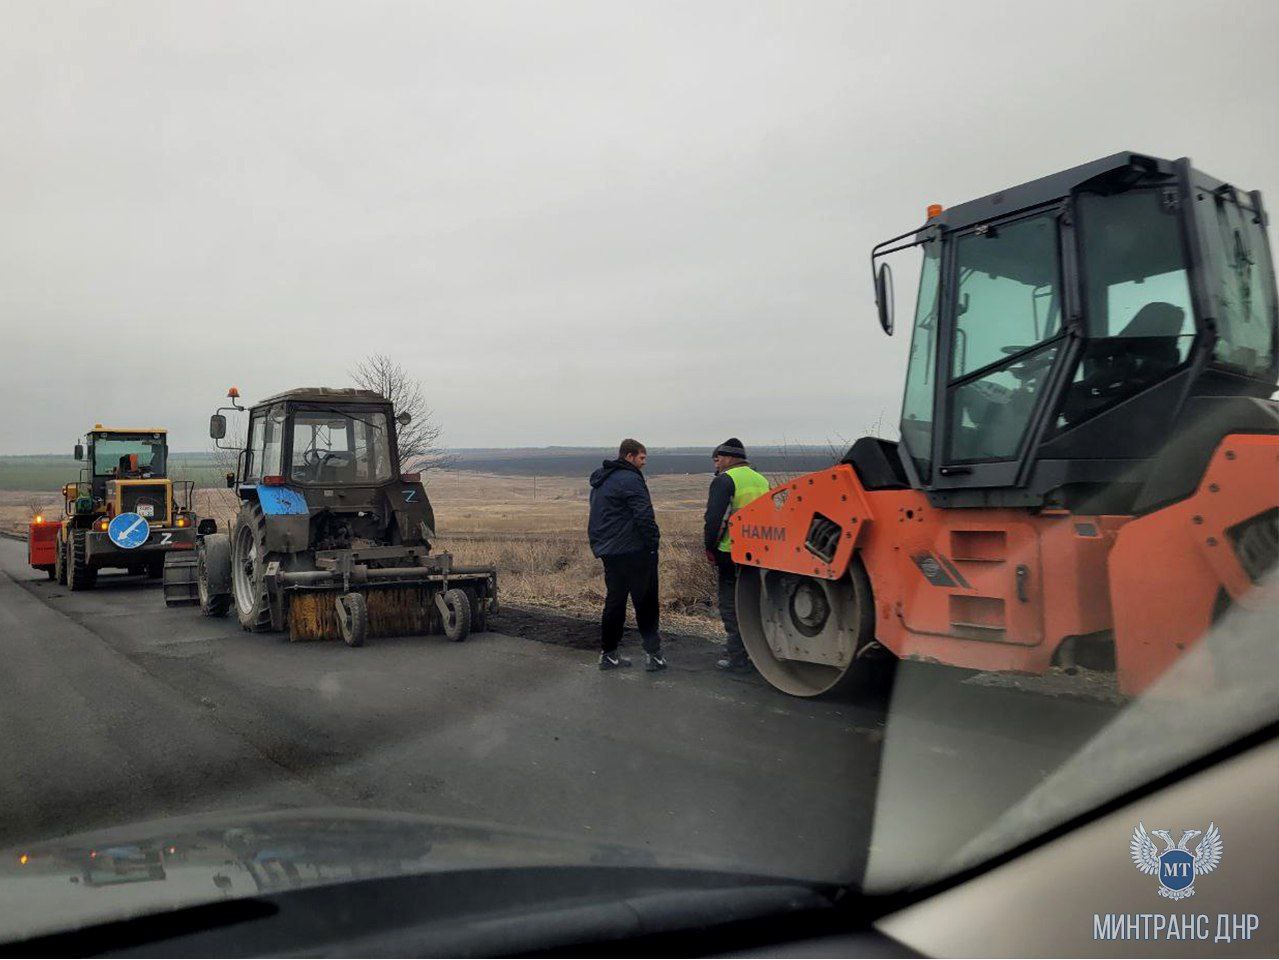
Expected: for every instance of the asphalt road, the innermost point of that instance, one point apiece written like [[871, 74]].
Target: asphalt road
[[115, 709]]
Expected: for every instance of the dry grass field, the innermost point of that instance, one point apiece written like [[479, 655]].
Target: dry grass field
[[533, 532]]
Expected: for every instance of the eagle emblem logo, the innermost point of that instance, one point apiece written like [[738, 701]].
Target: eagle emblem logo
[[1176, 868]]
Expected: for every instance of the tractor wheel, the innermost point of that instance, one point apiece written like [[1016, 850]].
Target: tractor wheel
[[457, 625], [353, 618], [248, 569], [805, 635], [80, 576], [212, 552], [60, 562], [479, 615]]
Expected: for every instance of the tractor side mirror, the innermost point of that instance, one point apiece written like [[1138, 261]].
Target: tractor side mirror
[[404, 418], [217, 426], [230, 480], [79, 451], [884, 297]]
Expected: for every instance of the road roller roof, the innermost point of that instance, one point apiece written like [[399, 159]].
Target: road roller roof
[[326, 395]]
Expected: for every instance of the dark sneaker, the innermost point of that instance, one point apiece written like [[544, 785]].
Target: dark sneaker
[[611, 661], [654, 662], [733, 664]]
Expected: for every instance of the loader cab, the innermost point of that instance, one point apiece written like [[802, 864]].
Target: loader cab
[[1063, 328], [111, 454]]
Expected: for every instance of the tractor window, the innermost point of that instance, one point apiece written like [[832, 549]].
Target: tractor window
[[917, 406], [256, 438], [331, 446], [1243, 289], [1008, 299], [266, 436]]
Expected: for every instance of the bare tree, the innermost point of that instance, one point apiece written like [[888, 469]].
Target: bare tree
[[38, 503], [419, 439]]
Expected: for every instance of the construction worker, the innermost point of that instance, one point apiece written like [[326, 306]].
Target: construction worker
[[623, 532], [736, 484]]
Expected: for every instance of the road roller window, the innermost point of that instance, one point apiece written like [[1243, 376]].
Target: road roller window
[[1008, 300], [1242, 287]]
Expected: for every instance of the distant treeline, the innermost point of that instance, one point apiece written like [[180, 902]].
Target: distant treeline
[[580, 461], [50, 471]]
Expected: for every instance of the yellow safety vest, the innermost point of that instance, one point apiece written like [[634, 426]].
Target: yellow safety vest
[[748, 486]]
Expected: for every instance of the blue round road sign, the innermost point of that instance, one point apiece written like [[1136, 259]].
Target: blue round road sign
[[129, 531]]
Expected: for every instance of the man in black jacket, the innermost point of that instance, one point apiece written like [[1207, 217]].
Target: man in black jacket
[[624, 535]]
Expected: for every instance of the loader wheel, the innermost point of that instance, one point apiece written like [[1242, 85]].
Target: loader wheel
[[213, 551], [806, 635], [80, 576], [353, 618], [248, 570], [60, 563], [457, 625], [178, 586]]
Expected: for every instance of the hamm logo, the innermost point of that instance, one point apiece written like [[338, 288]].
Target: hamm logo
[[757, 531]]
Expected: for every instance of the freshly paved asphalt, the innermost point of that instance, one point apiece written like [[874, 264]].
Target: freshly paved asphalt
[[115, 709]]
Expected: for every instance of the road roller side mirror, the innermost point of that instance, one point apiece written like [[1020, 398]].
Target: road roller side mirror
[[78, 454], [217, 426], [884, 297]]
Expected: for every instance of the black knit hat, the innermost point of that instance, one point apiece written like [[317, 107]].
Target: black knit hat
[[732, 447]]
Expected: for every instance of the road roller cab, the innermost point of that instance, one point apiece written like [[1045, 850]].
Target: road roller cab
[[332, 537], [1087, 471]]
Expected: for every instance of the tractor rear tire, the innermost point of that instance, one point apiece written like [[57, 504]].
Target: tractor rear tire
[[353, 618], [457, 625], [248, 569], [80, 576], [60, 563]]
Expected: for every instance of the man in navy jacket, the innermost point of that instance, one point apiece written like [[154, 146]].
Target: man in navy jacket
[[624, 535]]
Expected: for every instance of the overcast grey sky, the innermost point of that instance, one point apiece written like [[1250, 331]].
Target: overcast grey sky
[[576, 221]]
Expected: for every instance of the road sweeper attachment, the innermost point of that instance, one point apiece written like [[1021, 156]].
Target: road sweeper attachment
[[332, 538]]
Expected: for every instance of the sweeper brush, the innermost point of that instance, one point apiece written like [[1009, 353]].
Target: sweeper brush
[[392, 612]]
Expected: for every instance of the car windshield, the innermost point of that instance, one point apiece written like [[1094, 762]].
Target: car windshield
[[119, 456], [466, 438]]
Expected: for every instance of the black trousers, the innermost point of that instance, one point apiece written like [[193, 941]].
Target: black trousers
[[631, 575], [727, 571]]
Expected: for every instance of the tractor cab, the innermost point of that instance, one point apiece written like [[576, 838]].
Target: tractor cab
[[1065, 328], [321, 437], [332, 537]]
